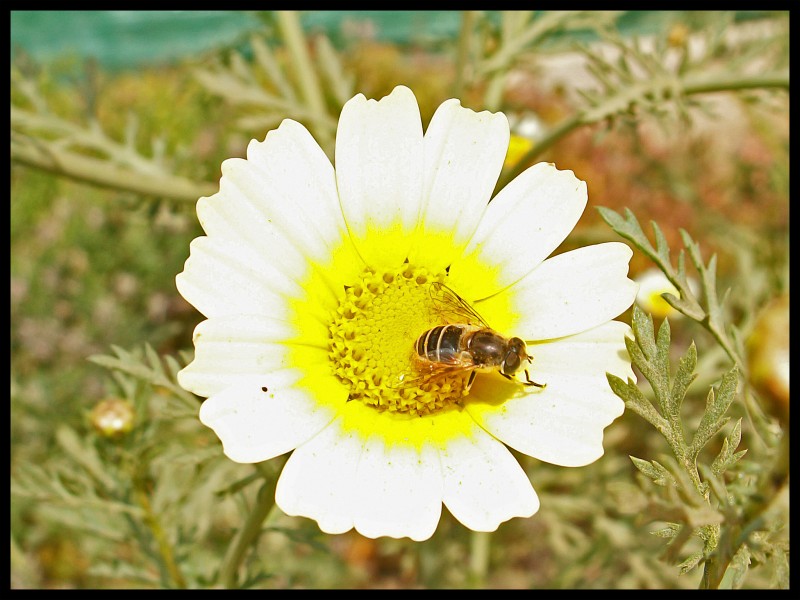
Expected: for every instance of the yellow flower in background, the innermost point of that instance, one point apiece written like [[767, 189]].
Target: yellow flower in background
[[652, 284], [318, 285], [525, 130], [518, 147]]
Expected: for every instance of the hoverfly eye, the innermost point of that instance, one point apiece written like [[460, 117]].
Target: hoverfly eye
[[511, 363]]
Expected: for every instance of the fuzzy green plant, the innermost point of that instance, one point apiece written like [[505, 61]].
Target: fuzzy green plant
[[155, 504], [703, 498]]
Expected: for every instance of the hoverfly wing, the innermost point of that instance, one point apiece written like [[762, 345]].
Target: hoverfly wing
[[409, 379], [453, 308], [426, 372]]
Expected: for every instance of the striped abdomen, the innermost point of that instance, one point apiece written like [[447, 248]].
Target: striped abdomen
[[446, 344]]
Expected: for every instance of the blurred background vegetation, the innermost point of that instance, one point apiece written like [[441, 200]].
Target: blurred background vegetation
[[120, 121]]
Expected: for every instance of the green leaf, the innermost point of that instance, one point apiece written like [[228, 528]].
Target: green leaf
[[687, 306], [651, 357], [123, 571], [630, 229], [683, 378], [660, 371], [82, 521], [642, 325], [691, 562], [727, 457], [723, 456], [668, 532], [737, 570], [154, 373], [738, 456], [662, 248], [635, 400], [635, 351], [340, 82], [780, 567], [715, 484], [302, 535], [153, 358], [716, 406], [239, 485], [65, 486], [253, 579], [85, 455], [655, 471]]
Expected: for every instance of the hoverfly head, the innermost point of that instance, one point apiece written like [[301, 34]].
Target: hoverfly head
[[516, 353]]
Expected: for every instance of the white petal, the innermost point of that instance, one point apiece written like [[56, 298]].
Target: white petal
[[239, 213], [399, 490], [229, 349], [483, 484], [523, 224], [319, 479], [376, 471], [299, 188], [256, 425], [223, 277], [464, 153], [591, 353], [282, 203], [379, 169], [562, 423], [566, 294]]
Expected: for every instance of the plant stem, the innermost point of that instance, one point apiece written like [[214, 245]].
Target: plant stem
[[736, 534], [467, 23], [700, 84], [244, 538], [479, 546], [704, 84], [102, 173], [721, 336], [295, 41], [164, 548]]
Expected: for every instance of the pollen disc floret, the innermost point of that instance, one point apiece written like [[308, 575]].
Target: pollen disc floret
[[372, 341]]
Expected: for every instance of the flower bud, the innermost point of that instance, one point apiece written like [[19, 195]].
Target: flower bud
[[113, 417], [678, 35], [768, 357]]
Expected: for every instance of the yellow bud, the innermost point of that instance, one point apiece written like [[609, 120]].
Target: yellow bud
[[768, 357], [113, 417]]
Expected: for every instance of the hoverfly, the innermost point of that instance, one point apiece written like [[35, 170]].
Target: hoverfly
[[465, 343]]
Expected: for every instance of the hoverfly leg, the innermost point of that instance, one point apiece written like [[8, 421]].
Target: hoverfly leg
[[471, 379], [529, 381]]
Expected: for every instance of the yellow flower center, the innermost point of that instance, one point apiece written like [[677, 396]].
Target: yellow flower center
[[372, 338], [660, 307]]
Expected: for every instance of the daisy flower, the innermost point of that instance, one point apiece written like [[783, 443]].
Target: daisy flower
[[317, 283]]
